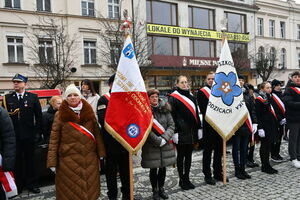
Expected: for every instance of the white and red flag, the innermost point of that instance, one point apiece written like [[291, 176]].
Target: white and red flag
[[128, 116], [226, 109]]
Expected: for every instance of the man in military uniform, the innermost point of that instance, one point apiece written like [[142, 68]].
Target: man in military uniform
[[25, 111]]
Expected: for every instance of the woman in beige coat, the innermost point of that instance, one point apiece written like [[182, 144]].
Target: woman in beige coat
[[75, 148]]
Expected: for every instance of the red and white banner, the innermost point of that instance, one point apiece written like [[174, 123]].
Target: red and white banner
[[83, 130], [206, 91], [279, 103], [128, 116], [187, 102], [8, 182], [158, 128]]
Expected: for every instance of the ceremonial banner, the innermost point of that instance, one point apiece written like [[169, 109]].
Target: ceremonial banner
[[226, 109], [128, 116]]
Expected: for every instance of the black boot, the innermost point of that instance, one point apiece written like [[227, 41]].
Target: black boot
[[243, 172], [183, 184], [162, 193], [238, 173], [268, 169], [155, 194], [210, 180], [188, 182]]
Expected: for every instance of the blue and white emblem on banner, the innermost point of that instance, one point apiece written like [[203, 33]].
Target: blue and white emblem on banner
[[226, 87], [128, 51]]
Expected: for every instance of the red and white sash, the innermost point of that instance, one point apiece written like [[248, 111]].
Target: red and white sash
[[107, 96], [206, 91], [279, 103], [187, 102], [157, 127], [83, 130], [8, 182], [296, 89], [270, 108]]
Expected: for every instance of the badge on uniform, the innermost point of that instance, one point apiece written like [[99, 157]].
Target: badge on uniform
[[101, 107], [25, 103]]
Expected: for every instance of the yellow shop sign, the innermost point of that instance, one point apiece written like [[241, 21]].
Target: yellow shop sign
[[193, 32]]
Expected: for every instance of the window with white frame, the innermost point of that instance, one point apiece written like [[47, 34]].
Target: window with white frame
[[43, 5], [89, 52], [272, 28], [282, 64], [298, 31], [115, 53], [12, 4], [88, 8], [260, 26], [113, 9], [45, 51], [15, 49], [282, 29], [261, 53]]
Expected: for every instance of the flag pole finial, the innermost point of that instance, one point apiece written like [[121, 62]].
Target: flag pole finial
[[126, 24]]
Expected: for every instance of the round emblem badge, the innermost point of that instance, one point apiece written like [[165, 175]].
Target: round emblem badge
[[133, 130]]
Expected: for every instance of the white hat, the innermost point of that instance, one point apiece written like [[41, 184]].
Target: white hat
[[72, 89]]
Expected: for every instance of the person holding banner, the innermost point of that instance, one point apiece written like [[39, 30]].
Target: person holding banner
[[277, 103], [75, 148], [211, 139], [241, 137], [187, 123], [292, 102], [267, 126], [8, 155], [117, 156], [158, 151]]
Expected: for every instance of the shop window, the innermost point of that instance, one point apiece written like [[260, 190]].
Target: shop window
[[201, 18], [159, 12], [236, 22], [202, 48]]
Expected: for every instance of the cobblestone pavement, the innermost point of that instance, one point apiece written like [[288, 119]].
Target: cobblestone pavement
[[284, 185]]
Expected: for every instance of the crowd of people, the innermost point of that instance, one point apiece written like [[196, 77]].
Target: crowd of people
[[73, 126]]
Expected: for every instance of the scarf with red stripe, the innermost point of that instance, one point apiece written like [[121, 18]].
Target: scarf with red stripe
[[107, 96], [189, 104], [84, 131], [271, 109], [206, 91], [158, 129], [8, 182]]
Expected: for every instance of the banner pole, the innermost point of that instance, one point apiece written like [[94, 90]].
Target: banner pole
[[131, 176], [224, 162]]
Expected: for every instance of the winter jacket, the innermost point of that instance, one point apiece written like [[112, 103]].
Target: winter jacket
[[244, 129], [113, 147], [48, 118], [266, 120], [74, 155], [93, 101], [7, 141], [291, 101], [185, 123], [154, 156]]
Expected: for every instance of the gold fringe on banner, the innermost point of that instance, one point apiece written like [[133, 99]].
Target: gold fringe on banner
[[123, 142]]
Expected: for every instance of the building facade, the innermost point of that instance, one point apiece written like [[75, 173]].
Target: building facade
[[81, 19], [185, 38], [277, 32]]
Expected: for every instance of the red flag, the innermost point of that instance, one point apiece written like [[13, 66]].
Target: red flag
[[128, 116]]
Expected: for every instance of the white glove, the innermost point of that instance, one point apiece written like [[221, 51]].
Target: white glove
[[175, 138], [53, 169], [261, 133], [283, 121], [254, 128], [163, 142], [200, 134]]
